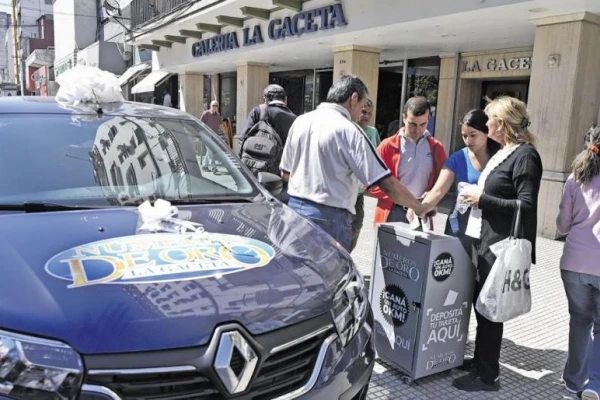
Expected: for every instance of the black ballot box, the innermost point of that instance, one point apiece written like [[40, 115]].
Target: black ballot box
[[421, 294]]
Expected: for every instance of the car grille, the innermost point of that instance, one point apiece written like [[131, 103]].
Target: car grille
[[189, 385], [284, 371]]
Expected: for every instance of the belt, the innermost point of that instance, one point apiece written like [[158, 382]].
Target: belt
[[319, 204]]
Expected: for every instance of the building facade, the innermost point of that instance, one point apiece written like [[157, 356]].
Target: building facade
[[455, 53], [6, 74], [80, 37], [31, 21], [40, 59]]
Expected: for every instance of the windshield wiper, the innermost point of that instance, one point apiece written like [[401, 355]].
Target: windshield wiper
[[211, 200], [33, 207]]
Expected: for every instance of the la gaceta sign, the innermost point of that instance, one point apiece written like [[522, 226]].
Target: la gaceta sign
[[309, 21]]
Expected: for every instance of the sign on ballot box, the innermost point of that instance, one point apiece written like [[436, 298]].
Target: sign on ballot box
[[421, 294]]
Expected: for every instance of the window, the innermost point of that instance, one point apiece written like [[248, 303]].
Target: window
[[142, 159], [49, 2], [132, 182], [115, 174]]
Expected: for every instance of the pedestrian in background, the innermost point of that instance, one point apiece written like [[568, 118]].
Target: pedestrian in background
[[212, 118], [579, 220], [465, 165], [511, 176], [324, 155], [366, 115]]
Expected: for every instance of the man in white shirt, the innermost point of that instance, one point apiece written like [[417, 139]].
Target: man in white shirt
[[167, 100], [327, 157]]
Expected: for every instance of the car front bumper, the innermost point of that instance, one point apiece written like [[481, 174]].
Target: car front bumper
[[339, 373]]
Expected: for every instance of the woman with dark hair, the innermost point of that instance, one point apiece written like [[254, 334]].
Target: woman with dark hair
[[509, 182], [464, 165], [579, 219]]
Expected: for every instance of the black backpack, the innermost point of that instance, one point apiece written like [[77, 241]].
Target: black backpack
[[262, 148]]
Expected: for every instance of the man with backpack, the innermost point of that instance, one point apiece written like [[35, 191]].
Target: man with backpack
[[265, 133]]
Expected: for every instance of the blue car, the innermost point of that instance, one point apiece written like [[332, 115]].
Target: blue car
[[128, 272]]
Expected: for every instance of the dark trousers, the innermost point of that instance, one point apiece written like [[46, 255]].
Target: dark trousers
[[488, 338], [398, 214]]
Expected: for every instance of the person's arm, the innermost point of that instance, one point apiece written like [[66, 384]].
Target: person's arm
[[371, 170], [399, 194], [287, 157], [441, 187], [250, 122], [564, 220], [527, 174]]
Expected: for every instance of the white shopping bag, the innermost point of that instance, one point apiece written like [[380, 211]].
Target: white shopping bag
[[506, 293]]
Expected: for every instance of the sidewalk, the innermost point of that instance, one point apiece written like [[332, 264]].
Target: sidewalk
[[534, 346]]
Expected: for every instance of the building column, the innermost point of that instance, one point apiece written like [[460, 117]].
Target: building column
[[215, 89], [444, 128], [362, 62], [191, 94], [563, 100], [252, 79]]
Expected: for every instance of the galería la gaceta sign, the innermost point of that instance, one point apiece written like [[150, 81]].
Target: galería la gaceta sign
[[318, 19]]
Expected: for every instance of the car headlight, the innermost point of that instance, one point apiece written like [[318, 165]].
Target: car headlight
[[41, 369], [350, 306]]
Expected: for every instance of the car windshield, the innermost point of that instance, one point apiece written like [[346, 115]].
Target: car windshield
[[114, 161]]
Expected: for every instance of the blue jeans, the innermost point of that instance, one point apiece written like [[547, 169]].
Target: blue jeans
[[335, 221], [583, 363]]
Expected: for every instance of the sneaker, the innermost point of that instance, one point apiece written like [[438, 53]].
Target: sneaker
[[468, 365], [472, 383], [589, 394]]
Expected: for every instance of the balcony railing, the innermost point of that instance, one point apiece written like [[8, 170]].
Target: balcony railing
[[143, 11]]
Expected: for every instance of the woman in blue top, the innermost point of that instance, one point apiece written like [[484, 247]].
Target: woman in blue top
[[465, 165]]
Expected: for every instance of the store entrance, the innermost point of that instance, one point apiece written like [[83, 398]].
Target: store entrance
[[294, 88], [299, 87], [389, 96], [495, 89]]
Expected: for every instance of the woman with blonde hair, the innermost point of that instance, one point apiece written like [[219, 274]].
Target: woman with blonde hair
[[511, 177], [579, 219]]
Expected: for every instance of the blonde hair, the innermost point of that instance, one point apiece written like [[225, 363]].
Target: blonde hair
[[587, 163], [515, 119]]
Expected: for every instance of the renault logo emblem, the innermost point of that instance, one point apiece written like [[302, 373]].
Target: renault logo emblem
[[235, 362]]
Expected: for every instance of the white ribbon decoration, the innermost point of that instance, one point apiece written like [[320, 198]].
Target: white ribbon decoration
[[160, 217]]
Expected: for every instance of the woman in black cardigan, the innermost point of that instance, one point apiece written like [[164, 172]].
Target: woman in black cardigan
[[514, 173]]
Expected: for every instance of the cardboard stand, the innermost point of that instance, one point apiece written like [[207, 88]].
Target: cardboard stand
[[421, 294]]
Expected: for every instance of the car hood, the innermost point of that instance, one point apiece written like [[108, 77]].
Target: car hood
[[94, 280]]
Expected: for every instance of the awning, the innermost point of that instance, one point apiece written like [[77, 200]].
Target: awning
[[149, 83], [132, 72]]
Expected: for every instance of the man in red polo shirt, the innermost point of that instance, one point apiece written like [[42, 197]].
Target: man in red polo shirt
[[413, 156]]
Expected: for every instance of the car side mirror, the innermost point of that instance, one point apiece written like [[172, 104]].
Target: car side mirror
[[271, 182]]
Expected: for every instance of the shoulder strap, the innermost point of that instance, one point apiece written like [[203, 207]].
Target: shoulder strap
[[264, 112]]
